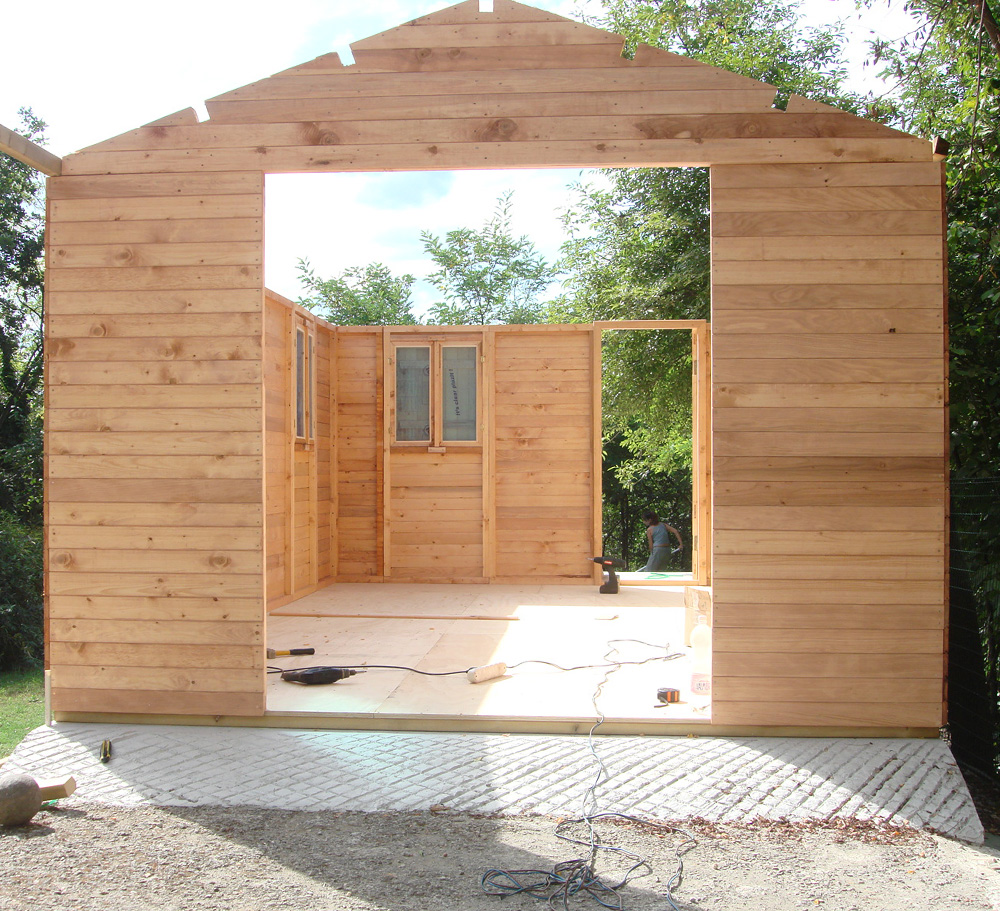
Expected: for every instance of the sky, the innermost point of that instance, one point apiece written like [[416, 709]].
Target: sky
[[95, 69]]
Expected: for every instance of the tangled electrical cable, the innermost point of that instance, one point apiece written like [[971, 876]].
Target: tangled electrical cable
[[571, 878]]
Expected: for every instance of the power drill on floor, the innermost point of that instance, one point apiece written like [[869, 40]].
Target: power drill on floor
[[315, 675]]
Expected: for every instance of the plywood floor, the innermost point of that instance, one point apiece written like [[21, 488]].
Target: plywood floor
[[454, 627]]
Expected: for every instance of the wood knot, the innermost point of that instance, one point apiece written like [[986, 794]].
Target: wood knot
[[125, 255], [220, 561], [433, 150], [315, 135], [499, 130], [422, 53], [63, 559], [454, 53]]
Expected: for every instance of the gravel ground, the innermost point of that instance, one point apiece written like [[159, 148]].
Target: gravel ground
[[98, 857]]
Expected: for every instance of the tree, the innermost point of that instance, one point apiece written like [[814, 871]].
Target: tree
[[21, 281], [946, 82], [487, 276], [360, 296], [639, 248], [22, 222]]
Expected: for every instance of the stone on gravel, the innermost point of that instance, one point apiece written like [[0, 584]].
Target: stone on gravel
[[20, 799]]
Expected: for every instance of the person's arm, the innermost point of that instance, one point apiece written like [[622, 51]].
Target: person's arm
[[676, 534], [649, 538]]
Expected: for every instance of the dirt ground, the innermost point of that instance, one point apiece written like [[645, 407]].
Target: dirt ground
[[97, 857]]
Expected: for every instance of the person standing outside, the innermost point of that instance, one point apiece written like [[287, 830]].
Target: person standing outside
[[658, 537]]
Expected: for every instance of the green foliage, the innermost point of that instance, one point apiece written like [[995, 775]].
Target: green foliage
[[22, 222], [947, 83], [946, 77], [639, 247], [759, 40], [20, 593], [629, 491], [360, 296], [487, 275], [22, 706]]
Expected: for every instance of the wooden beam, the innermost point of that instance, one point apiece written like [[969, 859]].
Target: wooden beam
[[29, 153]]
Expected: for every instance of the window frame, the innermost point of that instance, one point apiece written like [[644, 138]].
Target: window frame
[[436, 392], [303, 383]]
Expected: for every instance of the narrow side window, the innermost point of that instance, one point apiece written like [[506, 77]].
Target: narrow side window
[[300, 383], [311, 372]]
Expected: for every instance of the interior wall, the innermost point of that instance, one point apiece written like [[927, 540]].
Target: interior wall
[[547, 414], [298, 491], [357, 461], [830, 465]]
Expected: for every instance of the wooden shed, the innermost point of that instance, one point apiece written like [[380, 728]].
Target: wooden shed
[[214, 452]]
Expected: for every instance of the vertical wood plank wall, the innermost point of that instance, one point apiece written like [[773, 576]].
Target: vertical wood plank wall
[[830, 461], [543, 428], [155, 514]]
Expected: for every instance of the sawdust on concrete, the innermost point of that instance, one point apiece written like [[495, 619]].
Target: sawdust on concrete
[[80, 856]]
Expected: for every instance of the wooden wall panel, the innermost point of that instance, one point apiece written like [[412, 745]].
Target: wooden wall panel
[[357, 411], [298, 491], [277, 432], [830, 459], [828, 372], [154, 464], [543, 431], [436, 515]]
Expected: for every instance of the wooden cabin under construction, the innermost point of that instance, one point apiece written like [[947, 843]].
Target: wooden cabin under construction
[[227, 473]]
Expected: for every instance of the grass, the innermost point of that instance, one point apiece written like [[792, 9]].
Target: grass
[[22, 706]]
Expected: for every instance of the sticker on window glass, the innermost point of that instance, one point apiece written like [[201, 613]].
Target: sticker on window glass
[[458, 393]]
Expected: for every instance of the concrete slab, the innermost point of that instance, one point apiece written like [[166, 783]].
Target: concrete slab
[[896, 781]]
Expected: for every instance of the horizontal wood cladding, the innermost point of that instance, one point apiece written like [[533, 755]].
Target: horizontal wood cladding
[[154, 457], [543, 462], [445, 156], [829, 448], [357, 414], [677, 116]]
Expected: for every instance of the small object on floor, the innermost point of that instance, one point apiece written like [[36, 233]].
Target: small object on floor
[[286, 652], [106, 751], [20, 799], [312, 676], [667, 694], [55, 788], [486, 672], [610, 587]]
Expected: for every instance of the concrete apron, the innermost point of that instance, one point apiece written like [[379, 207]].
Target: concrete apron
[[896, 781]]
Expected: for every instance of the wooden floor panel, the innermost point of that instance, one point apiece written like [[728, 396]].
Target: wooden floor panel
[[453, 627]]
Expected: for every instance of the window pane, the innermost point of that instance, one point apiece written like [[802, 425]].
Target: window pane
[[300, 383], [413, 393], [458, 392], [312, 374]]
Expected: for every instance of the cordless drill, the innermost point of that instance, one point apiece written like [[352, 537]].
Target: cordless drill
[[314, 675]]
